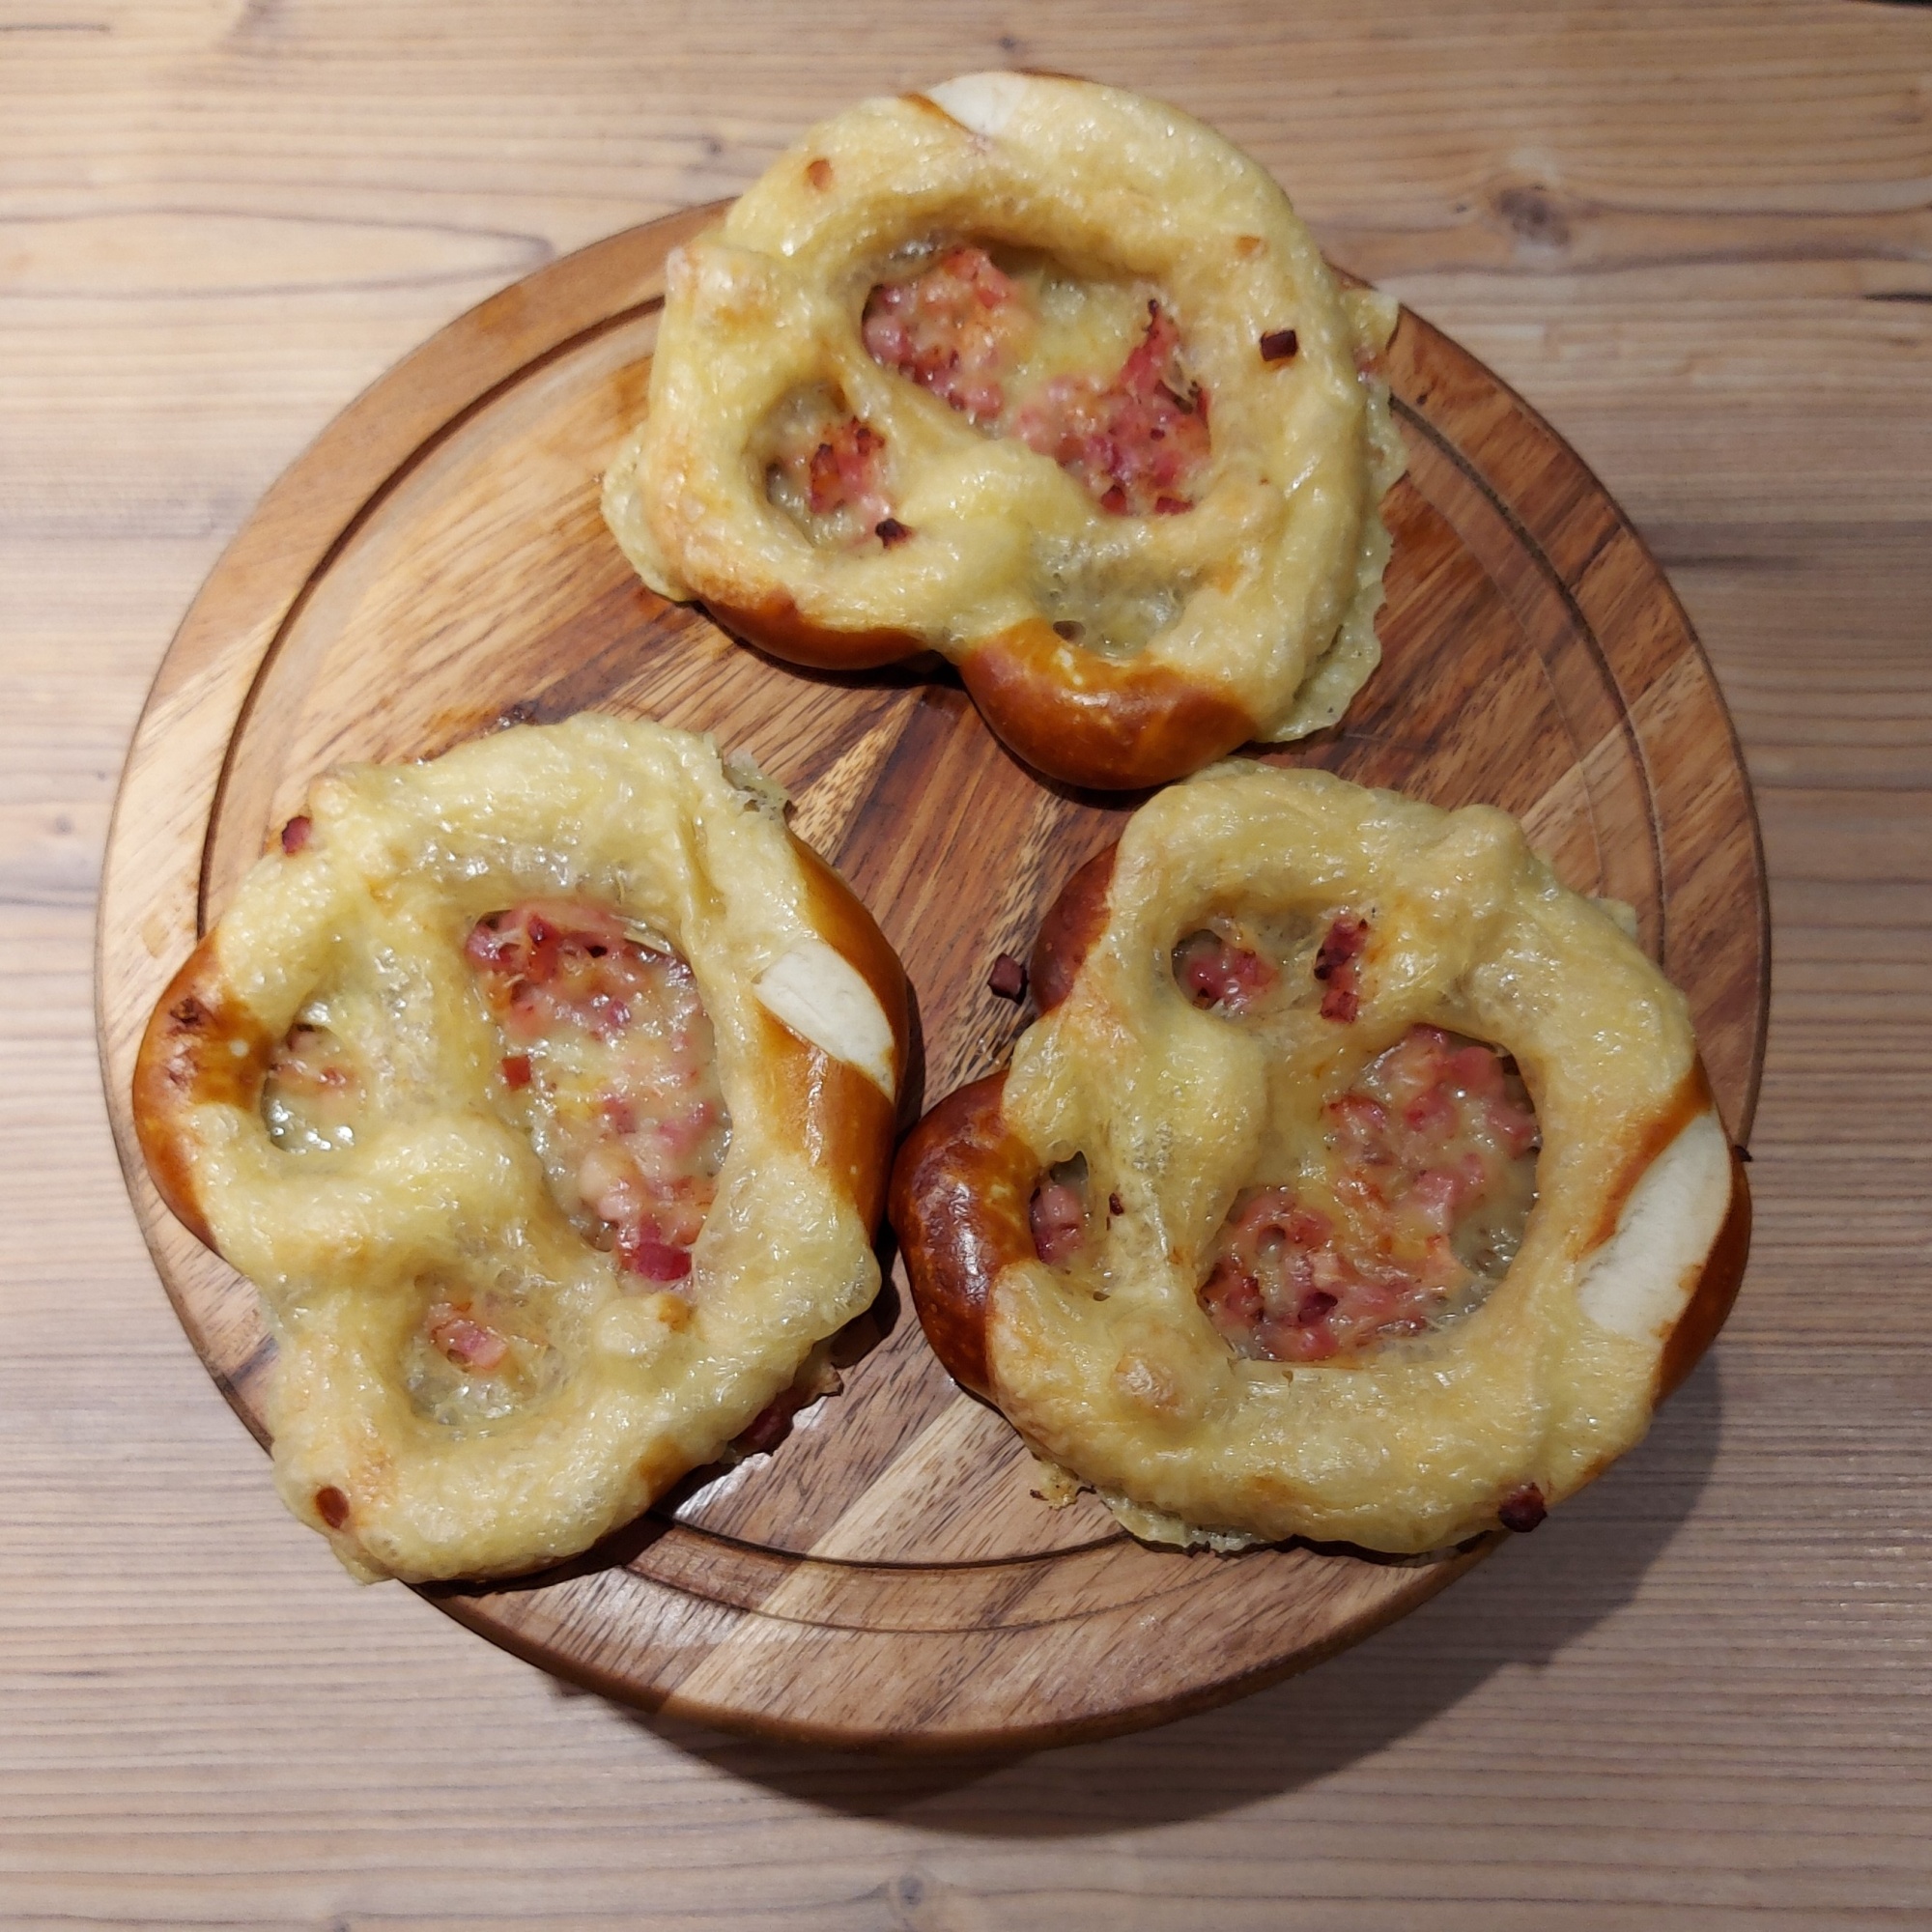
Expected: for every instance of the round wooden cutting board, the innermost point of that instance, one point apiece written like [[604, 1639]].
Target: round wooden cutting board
[[435, 564]]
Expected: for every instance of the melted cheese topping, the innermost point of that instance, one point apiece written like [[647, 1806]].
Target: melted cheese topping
[[1189, 1085], [570, 1240], [1398, 1220], [314, 1090], [1091, 203]]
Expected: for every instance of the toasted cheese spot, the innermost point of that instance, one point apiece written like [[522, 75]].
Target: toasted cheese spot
[[1148, 1381], [817, 992], [1641, 1278]]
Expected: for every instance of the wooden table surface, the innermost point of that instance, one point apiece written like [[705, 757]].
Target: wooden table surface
[[1699, 239]]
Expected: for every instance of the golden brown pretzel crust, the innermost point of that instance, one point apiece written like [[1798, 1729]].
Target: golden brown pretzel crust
[[1631, 1262], [1243, 608], [830, 1105], [776, 624], [187, 1059], [959, 1199], [436, 1194], [1090, 721], [1073, 924]]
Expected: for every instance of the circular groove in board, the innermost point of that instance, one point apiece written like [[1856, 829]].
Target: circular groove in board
[[436, 562]]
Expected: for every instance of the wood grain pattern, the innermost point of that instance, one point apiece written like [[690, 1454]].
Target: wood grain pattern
[[1695, 238], [886, 1578]]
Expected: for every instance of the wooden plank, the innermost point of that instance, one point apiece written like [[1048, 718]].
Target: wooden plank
[[1697, 1699]]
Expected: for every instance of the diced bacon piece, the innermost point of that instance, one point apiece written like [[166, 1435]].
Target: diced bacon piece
[[1058, 1219], [1475, 1071], [1305, 1332], [635, 1126], [1275, 1213], [1337, 967], [958, 329], [295, 834], [1315, 1306], [1360, 1123], [464, 1340], [1341, 1003], [1427, 1151], [1138, 443], [1513, 1124], [1215, 972], [1431, 1114], [844, 469], [1233, 1298], [544, 958], [1412, 1070], [1009, 978], [830, 468], [644, 1254], [1522, 1509], [1434, 1195]]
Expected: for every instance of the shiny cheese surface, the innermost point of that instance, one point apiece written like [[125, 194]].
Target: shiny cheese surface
[[1175, 1110], [1264, 591], [473, 1379]]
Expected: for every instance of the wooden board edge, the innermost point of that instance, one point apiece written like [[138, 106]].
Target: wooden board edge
[[232, 622], [206, 646], [1665, 782], [833, 1733]]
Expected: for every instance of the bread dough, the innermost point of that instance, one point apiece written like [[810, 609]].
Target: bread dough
[[1115, 1370], [468, 1384], [1108, 648]]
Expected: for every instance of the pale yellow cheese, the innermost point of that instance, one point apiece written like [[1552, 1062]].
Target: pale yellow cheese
[[1176, 1110], [1263, 593], [438, 1189]]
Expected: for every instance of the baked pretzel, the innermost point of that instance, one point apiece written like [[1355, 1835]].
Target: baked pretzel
[[1044, 376], [1244, 1238], [546, 1091]]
